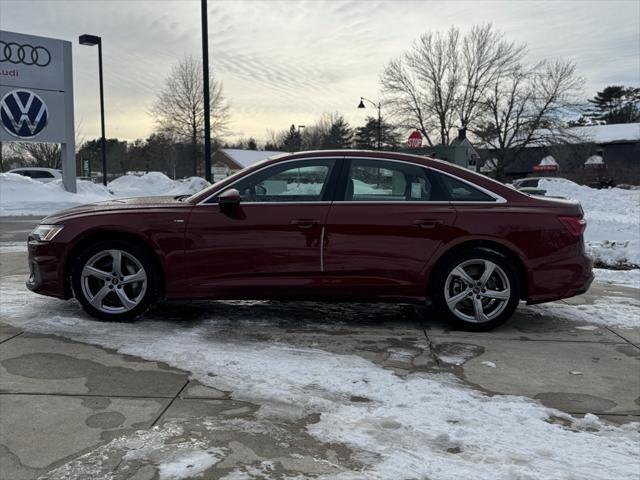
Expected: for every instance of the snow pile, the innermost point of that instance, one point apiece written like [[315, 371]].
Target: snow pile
[[23, 196], [147, 185], [613, 220], [154, 184], [188, 186], [415, 426]]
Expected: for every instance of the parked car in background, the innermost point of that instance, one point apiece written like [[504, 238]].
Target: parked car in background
[[529, 182], [40, 174], [328, 226]]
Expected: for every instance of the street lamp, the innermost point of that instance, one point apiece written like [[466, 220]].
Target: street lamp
[[92, 40], [379, 107]]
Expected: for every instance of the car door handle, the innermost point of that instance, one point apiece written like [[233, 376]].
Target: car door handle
[[305, 223], [428, 222]]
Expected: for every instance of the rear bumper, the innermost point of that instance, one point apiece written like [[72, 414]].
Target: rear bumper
[[46, 270], [560, 279]]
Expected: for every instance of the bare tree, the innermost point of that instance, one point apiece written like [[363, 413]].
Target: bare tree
[[39, 154], [179, 107], [528, 106], [439, 82]]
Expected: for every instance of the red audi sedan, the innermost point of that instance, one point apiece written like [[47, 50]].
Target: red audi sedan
[[330, 226]]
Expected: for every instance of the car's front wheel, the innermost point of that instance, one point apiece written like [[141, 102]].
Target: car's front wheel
[[477, 290], [114, 280]]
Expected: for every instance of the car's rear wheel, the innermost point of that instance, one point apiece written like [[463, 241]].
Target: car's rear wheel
[[114, 280], [477, 290]]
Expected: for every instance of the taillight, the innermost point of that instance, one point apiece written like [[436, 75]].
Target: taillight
[[575, 225]]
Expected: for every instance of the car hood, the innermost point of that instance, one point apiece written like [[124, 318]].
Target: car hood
[[136, 203]]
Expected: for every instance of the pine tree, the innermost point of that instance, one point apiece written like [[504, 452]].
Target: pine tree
[[339, 136], [615, 104], [292, 140], [367, 136]]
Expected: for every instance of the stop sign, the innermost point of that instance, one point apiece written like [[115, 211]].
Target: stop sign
[[415, 140]]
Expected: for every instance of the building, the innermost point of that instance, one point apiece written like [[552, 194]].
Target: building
[[575, 152], [460, 151], [227, 161]]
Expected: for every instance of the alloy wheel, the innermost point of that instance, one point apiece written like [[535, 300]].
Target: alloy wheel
[[477, 290], [113, 281]]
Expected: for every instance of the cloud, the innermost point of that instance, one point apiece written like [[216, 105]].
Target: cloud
[[286, 62]]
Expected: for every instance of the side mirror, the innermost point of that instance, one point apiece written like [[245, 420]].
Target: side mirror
[[229, 198]]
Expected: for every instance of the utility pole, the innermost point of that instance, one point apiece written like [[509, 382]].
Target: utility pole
[[205, 87]]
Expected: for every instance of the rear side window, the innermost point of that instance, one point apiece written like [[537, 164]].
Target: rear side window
[[459, 191], [383, 181]]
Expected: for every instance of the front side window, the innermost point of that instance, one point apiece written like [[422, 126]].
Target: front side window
[[383, 181], [303, 181]]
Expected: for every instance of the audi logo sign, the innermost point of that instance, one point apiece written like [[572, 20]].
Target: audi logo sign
[[27, 61], [26, 54], [36, 95], [23, 114]]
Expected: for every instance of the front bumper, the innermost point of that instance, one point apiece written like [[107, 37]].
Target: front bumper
[[46, 269]]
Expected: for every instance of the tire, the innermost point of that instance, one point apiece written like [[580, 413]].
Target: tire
[[111, 292], [470, 301]]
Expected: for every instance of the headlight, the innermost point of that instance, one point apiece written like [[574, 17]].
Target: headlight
[[45, 233]]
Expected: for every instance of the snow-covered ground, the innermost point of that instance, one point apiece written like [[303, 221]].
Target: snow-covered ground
[[421, 425], [610, 311], [23, 196], [622, 278], [613, 220]]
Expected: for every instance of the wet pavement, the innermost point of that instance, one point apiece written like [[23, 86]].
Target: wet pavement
[[60, 399]]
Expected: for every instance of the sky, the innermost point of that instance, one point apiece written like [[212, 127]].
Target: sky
[[288, 62]]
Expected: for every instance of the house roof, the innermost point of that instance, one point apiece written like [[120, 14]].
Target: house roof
[[245, 158], [598, 134], [548, 160], [594, 160], [619, 132]]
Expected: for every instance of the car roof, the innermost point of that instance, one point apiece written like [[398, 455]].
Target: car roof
[[38, 169]]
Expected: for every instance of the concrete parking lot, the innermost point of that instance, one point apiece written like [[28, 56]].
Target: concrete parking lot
[[62, 397]]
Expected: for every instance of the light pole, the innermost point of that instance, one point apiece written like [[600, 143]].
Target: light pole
[[91, 40], [379, 107], [300, 127], [205, 88]]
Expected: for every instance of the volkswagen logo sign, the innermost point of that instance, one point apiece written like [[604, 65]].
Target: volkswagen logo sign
[[23, 113], [26, 54]]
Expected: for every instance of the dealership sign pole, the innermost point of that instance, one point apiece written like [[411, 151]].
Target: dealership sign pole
[[36, 95]]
